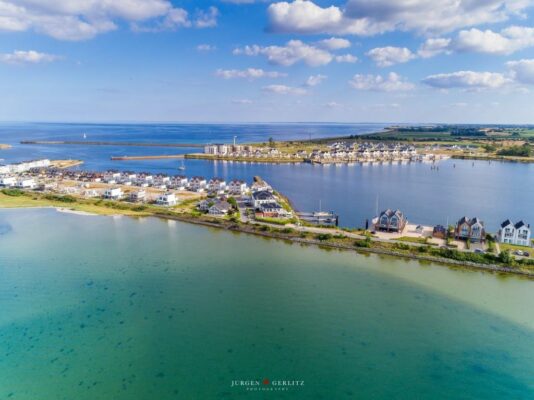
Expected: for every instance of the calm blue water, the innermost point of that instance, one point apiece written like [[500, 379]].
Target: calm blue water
[[493, 192], [105, 313]]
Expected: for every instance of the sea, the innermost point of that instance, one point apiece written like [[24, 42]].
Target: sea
[[96, 307], [492, 191]]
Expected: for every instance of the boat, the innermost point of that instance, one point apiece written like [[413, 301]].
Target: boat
[[84, 136], [182, 167]]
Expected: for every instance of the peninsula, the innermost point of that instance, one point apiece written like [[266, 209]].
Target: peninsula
[[258, 209]]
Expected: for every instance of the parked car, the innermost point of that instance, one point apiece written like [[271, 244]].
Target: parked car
[[519, 253], [479, 251]]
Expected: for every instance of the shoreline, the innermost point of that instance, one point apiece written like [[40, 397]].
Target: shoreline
[[278, 234]]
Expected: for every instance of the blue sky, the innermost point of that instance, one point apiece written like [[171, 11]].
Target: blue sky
[[460, 61]]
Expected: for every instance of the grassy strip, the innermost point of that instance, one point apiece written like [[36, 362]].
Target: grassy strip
[[15, 198]]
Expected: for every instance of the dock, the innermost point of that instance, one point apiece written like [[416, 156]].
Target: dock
[[99, 143], [319, 218], [134, 158]]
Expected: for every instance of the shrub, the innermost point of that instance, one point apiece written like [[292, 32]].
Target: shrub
[[62, 199], [323, 236], [517, 151], [12, 192]]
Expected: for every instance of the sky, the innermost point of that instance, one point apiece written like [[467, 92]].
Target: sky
[[406, 61]]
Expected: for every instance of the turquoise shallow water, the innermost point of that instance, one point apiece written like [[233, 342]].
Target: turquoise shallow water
[[119, 308]]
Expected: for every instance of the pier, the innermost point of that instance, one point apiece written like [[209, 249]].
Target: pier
[[319, 218], [99, 143], [134, 158]]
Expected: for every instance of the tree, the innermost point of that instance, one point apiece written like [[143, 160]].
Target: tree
[[506, 258], [271, 142]]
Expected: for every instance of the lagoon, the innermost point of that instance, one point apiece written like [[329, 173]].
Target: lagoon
[[492, 191], [124, 308]]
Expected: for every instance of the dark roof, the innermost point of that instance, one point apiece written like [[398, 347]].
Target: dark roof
[[263, 195], [389, 213], [272, 206], [520, 224], [463, 220], [506, 223], [222, 205]]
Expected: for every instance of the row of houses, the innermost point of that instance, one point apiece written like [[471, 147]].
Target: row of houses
[[17, 182], [167, 199], [17, 168], [341, 151], [469, 229]]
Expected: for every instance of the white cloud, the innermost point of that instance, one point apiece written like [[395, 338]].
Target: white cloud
[[346, 58], [522, 71], [390, 83], [388, 56], [82, 19], [206, 47], [293, 52], [283, 89], [303, 16], [249, 73], [334, 43], [467, 80], [207, 19], [434, 46], [315, 80], [507, 41], [369, 17], [27, 57]]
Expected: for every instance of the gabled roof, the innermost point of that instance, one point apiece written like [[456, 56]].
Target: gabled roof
[[222, 205], [463, 220], [476, 220], [506, 223], [390, 213], [263, 195], [520, 224]]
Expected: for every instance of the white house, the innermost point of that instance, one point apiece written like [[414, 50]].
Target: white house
[[197, 183], [180, 182], [25, 183], [518, 234], [140, 195], [220, 208], [210, 149], [113, 193], [89, 193], [167, 199], [7, 181], [262, 197], [237, 187], [216, 185]]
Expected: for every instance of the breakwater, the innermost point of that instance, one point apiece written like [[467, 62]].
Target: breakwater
[[104, 143]]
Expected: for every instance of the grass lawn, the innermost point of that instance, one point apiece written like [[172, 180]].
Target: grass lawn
[[513, 247], [412, 239], [89, 206]]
